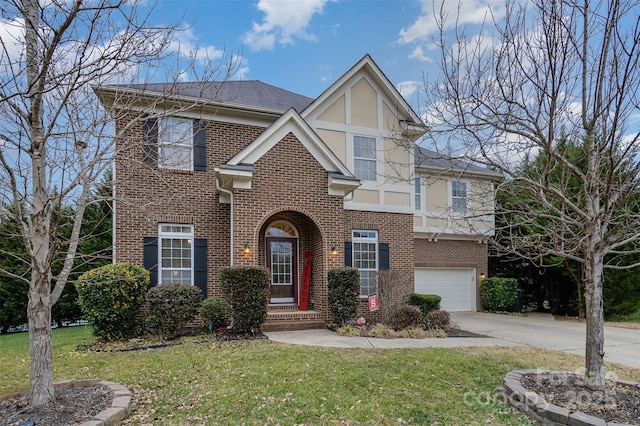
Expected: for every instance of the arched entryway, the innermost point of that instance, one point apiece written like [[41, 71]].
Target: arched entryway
[[281, 238]]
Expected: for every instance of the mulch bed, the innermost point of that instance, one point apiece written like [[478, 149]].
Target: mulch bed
[[619, 404], [71, 406], [456, 332]]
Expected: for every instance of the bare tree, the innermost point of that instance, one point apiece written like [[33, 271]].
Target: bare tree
[[553, 71], [55, 137]]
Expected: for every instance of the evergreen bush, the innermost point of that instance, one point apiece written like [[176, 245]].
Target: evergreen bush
[[170, 307], [245, 290], [212, 313], [111, 298], [426, 302], [344, 289], [499, 294]]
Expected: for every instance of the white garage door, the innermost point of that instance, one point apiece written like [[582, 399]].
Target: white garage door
[[455, 286]]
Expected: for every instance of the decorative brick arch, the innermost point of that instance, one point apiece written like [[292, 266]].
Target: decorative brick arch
[[311, 237]]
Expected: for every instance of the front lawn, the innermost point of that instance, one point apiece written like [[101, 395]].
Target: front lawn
[[626, 321], [262, 382]]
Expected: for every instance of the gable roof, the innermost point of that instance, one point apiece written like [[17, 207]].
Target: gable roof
[[367, 63], [428, 159], [290, 122], [240, 167], [253, 94]]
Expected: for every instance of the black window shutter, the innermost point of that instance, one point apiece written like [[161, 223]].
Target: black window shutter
[[199, 145], [150, 143], [150, 261], [383, 252], [348, 254], [200, 265]]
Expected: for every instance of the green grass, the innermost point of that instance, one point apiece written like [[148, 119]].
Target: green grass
[[633, 317], [262, 382]]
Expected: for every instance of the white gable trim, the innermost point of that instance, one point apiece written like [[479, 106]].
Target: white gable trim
[[369, 66], [290, 122]]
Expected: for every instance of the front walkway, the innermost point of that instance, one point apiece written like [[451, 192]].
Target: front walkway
[[539, 330], [328, 338]]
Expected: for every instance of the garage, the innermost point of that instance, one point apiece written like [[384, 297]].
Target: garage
[[456, 286]]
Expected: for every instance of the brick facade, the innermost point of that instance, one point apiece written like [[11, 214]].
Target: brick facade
[[453, 254], [288, 184]]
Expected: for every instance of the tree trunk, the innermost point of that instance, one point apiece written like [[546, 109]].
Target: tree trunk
[[594, 353], [40, 340]]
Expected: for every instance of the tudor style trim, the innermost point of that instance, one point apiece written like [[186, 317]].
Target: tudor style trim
[[413, 127]]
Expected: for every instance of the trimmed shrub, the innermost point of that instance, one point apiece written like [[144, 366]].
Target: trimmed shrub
[[212, 314], [344, 289], [245, 290], [111, 298], [406, 316], [170, 307], [438, 320], [499, 294], [426, 302]]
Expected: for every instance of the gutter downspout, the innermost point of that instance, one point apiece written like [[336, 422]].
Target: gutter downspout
[[226, 191]]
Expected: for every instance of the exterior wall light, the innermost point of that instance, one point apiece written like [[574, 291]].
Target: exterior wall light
[[482, 275], [246, 249], [334, 250]]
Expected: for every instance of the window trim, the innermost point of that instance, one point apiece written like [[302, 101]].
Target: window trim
[[454, 197], [374, 159], [417, 193], [368, 240], [185, 143], [176, 235]]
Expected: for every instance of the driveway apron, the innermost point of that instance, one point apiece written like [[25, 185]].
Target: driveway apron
[[542, 331]]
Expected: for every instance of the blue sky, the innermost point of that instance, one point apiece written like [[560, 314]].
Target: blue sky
[[305, 45]]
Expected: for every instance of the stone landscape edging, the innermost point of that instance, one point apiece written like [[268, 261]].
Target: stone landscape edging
[[113, 415], [536, 407]]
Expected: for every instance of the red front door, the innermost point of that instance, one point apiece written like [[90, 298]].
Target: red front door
[[282, 261]]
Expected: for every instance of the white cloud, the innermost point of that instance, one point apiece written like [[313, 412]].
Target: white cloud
[[185, 42], [418, 53], [284, 22], [408, 88], [456, 14], [242, 73], [12, 38]]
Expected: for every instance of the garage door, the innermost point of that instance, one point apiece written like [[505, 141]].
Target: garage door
[[455, 286]]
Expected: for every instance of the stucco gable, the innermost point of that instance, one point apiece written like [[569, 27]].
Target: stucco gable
[[413, 125]]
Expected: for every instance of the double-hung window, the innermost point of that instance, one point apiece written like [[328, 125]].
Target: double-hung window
[[364, 158], [365, 258], [458, 197], [175, 254], [417, 189], [175, 143]]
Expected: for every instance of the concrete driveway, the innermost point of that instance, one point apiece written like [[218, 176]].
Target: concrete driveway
[[541, 330]]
